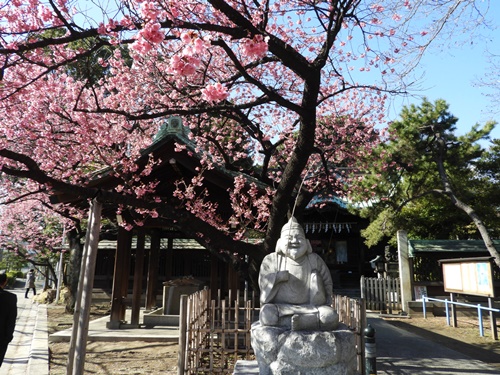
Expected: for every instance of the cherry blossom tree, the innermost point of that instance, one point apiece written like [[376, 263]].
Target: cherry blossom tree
[[31, 231], [298, 87]]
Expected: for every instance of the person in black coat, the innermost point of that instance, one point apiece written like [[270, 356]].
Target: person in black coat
[[8, 315]]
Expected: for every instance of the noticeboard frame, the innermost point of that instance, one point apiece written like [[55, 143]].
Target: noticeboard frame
[[473, 276]]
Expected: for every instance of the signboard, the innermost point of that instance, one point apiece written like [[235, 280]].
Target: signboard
[[420, 292], [472, 276]]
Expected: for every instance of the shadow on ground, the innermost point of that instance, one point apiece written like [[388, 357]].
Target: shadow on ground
[[483, 352]]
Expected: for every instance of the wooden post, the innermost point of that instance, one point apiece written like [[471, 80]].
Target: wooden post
[[362, 287], [154, 255], [454, 322], [361, 328], [169, 259], [120, 278], [493, 320], [126, 272], [181, 355], [78, 345], [138, 274]]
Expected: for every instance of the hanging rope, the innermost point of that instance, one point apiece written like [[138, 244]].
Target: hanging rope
[[293, 213]]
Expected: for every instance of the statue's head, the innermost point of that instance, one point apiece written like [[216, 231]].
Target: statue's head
[[293, 242]]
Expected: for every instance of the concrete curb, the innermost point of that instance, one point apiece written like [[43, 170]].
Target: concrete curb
[[38, 362]]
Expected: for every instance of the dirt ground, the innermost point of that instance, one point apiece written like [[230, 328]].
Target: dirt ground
[[137, 357], [113, 358]]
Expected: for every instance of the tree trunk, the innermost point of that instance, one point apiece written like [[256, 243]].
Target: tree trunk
[[449, 192], [75, 261]]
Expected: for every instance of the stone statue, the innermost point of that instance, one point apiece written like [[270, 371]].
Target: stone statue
[[298, 331], [296, 285]]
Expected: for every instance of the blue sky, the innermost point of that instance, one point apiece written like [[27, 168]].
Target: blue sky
[[452, 74]]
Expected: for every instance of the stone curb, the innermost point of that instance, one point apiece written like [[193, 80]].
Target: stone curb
[[38, 363]]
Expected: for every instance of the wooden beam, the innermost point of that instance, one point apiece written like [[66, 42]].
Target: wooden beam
[[138, 274]]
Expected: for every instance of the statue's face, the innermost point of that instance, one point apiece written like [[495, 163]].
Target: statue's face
[[296, 244]]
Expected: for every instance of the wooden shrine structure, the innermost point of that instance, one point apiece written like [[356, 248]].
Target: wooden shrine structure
[[140, 247], [334, 233]]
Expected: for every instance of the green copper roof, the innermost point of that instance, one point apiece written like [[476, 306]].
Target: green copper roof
[[448, 246]]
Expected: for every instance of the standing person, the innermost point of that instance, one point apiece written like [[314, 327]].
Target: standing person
[[30, 282], [8, 315]]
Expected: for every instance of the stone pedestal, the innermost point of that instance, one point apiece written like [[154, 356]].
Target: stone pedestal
[[172, 297], [280, 351]]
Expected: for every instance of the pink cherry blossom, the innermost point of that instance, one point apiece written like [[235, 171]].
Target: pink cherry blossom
[[253, 85], [214, 93], [256, 47]]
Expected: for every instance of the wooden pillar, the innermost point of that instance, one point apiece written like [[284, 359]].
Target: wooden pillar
[[169, 257], [138, 274], [233, 278], [362, 261], [154, 255], [120, 278], [78, 343], [126, 271], [214, 274]]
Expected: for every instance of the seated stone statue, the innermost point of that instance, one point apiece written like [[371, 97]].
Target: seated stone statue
[[296, 285]]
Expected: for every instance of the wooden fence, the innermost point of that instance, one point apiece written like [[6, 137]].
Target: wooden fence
[[381, 294], [215, 332], [352, 312]]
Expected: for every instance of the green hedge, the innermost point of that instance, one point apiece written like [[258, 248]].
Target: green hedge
[[12, 276]]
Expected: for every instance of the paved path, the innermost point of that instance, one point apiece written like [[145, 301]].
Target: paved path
[[400, 352], [28, 353]]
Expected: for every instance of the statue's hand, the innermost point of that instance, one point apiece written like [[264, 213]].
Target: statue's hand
[[282, 276]]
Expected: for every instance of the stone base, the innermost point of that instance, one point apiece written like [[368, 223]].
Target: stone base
[[280, 351], [245, 367]]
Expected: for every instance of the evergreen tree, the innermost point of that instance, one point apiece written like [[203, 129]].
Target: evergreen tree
[[436, 184]]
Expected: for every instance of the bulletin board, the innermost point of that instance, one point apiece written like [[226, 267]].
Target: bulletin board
[[472, 276]]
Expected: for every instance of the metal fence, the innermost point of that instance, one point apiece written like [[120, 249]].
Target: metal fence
[[492, 311]]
